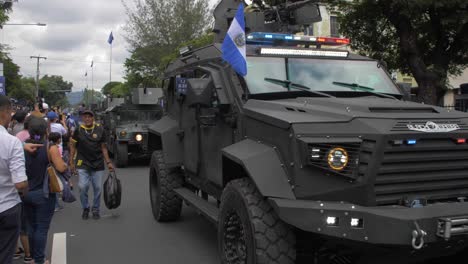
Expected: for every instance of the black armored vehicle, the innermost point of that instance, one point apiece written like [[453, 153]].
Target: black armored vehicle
[[313, 157], [127, 125]]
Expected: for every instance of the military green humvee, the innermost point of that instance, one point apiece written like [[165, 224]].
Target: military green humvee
[[127, 127]]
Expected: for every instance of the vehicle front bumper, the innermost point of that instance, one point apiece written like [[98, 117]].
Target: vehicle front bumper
[[383, 225]]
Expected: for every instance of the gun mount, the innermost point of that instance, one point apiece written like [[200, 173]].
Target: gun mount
[[288, 17]]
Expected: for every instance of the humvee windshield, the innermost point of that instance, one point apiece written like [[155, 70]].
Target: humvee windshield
[[132, 116], [318, 74]]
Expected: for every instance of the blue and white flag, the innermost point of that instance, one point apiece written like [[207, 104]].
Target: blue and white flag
[[111, 38], [233, 47]]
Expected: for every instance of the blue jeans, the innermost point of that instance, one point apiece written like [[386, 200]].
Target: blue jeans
[[95, 178], [39, 212]]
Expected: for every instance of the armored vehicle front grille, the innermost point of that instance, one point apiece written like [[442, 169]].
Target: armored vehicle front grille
[[402, 126], [432, 169]]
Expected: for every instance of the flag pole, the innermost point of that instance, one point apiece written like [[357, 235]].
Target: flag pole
[[92, 85], [110, 66]]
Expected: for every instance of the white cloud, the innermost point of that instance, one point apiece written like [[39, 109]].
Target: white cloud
[[76, 33]]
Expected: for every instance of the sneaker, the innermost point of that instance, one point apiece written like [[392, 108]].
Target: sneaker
[[28, 260], [96, 214], [18, 254], [85, 214]]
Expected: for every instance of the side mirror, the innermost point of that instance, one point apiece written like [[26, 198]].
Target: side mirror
[[406, 89], [383, 64], [199, 92]]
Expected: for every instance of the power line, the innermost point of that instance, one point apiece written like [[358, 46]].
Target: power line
[[69, 60]]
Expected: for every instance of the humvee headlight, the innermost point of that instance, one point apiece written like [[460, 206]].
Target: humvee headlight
[[338, 158], [123, 133], [139, 137]]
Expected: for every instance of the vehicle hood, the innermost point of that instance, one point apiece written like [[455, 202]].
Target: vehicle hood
[[284, 113], [133, 127]]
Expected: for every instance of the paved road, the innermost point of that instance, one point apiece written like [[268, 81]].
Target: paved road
[[130, 234]]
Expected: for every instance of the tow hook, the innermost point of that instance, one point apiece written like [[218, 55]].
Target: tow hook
[[418, 237]]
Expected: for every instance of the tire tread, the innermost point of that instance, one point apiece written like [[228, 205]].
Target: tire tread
[[274, 240], [170, 205]]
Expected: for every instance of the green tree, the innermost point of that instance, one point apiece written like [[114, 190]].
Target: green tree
[[427, 38], [91, 97], [154, 28], [10, 71], [5, 10], [106, 90], [195, 43], [25, 90], [53, 89], [120, 90]]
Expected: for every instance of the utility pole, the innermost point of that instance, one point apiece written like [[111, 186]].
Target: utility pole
[[37, 73]]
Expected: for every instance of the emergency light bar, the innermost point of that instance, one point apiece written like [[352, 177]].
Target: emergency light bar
[[303, 52], [261, 38]]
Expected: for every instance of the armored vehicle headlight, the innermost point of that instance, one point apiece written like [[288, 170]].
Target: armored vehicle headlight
[[139, 137], [338, 158], [123, 133], [332, 221]]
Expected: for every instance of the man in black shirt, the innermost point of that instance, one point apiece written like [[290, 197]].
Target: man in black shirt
[[88, 142]]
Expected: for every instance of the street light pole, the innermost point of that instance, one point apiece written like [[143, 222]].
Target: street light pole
[[37, 73], [24, 24]]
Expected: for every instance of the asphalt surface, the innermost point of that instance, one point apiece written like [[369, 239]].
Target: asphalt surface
[[130, 234]]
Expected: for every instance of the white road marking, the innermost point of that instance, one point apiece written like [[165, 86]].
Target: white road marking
[[59, 249]]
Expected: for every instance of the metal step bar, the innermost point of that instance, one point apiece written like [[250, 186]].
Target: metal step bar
[[202, 206]]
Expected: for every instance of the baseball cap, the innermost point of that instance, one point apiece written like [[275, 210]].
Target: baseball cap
[[52, 115], [87, 112]]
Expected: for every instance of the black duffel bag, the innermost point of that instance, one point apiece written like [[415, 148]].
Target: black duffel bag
[[112, 191]]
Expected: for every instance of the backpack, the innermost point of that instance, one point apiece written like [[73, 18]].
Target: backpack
[[112, 191]]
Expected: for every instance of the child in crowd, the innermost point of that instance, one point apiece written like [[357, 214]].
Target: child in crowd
[[56, 139]]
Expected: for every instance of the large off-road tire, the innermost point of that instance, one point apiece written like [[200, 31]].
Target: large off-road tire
[[249, 231], [166, 205], [121, 155]]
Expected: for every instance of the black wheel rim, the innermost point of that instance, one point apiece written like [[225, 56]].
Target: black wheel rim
[[235, 248]]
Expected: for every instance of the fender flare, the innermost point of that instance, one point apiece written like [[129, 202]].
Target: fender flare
[[164, 136], [263, 166]]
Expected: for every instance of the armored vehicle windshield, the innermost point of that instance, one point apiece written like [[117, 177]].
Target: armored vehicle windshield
[[132, 116], [326, 75]]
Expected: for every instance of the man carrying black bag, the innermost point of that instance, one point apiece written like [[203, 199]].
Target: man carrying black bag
[[112, 191], [88, 141]]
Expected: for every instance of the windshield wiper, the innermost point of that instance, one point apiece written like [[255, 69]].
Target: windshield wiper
[[288, 84], [355, 86]]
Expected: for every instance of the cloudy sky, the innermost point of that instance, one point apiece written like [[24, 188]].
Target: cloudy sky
[[76, 33]]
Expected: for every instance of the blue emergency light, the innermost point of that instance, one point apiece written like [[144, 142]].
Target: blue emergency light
[[411, 141]]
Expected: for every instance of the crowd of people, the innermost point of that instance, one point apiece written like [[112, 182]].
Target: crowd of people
[[30, 143]]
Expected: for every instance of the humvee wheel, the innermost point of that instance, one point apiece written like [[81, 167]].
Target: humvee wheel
[[249, 231], [165, 204], [121, 155]]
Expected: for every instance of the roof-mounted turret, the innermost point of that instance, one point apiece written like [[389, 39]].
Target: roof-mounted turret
[[289, 17]]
